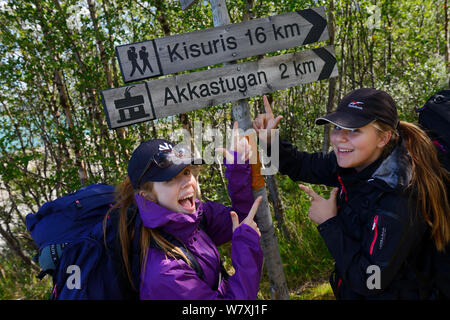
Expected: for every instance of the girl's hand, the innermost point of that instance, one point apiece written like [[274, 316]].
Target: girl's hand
[[265, 122], [249, 219], [238, 144], [321, 209]]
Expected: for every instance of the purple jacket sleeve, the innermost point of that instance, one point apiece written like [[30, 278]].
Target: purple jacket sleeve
[[174, 280], [218, 219]]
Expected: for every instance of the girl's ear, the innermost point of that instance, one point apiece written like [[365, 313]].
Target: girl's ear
[[149, 195], [385, 137]]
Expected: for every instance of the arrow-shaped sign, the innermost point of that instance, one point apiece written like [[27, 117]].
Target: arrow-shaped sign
[[213, 46], [186, 92], [318, 22]]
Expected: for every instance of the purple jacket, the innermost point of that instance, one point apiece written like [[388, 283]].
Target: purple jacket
[[173, 279]]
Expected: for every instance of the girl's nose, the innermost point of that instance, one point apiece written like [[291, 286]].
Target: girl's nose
[[187, 179], [341, 135]]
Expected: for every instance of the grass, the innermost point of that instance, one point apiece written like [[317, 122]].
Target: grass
[[317, 291], [20, 282]]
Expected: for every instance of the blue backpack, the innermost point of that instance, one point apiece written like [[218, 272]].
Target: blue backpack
[[73, 249]]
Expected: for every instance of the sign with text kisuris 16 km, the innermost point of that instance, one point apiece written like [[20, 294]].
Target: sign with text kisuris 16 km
[[164, 97], [172, 54]]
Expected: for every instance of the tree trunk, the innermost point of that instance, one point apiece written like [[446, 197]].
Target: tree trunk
[[101, 48], [63, 96], [105, 4], [278, 207], [269, 243], [14, 245], [100, 45], [331, 81]]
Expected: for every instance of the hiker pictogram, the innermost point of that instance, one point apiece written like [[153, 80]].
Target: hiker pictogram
[[132, 56], [143, 55], [135, 64]]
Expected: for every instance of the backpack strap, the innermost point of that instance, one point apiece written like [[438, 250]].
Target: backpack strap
[[135, 250], [48, 258]]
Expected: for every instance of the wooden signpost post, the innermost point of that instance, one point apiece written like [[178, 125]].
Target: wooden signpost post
[[234, 82]]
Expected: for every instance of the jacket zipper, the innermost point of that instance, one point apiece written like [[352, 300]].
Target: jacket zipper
[[343, 188], [374, 228]]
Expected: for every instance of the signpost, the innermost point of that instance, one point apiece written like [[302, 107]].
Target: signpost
[[186, 92], [172, 54]]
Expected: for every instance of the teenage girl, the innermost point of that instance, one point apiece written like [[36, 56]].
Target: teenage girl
[[389, 202], [162, 185]]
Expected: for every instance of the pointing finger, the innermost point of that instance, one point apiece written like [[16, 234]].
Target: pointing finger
[[267, 105], [309, 191], [254, 208], [234, 220]]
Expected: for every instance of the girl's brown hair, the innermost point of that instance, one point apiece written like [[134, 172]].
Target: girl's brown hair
[[429, 178], [124, 196]]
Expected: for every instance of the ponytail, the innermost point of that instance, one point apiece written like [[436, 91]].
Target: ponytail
[[430, 180], [124, 197]]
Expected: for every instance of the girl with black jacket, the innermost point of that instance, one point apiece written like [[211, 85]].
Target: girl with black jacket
[[389, 207]]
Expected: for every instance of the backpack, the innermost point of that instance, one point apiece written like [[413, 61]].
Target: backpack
[[73, 249], [434, 117]]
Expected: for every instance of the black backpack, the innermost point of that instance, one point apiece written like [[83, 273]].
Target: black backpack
[[434, 117]]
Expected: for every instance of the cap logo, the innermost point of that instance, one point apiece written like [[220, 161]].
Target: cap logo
[[356, 105], [165, 146]]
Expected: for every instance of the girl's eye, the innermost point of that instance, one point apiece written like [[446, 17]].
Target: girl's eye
[[354, 131], [187, 172], [337, 128]]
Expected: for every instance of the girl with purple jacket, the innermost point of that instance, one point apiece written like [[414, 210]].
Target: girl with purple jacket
[[163, 188]]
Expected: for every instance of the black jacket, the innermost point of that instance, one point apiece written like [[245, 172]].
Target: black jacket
[[376, 231]]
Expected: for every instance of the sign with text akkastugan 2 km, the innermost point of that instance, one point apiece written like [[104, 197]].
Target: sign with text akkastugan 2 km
[[164, 97], [181, 52]]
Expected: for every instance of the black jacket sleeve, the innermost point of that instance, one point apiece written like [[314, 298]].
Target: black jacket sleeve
[[316, 168]]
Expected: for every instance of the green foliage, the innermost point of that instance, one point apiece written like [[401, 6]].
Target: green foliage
[[56, 56], [18, 281]]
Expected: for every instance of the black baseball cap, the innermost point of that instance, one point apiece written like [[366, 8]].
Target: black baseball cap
[[361, 107], [157, 160]]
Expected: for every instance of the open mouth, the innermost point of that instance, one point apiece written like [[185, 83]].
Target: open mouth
[[187, 202], [342, 150]]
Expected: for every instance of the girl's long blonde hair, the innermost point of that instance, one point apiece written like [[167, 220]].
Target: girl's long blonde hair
[[429, 178], [124, 196]]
